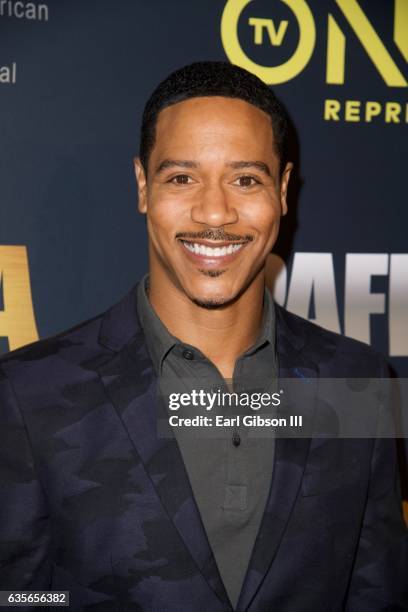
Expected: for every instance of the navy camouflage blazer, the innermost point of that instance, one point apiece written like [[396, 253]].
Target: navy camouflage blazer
[[93, 502]]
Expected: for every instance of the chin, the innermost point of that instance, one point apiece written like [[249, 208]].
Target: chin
[[212, 298], [211, 290], [211, 303]]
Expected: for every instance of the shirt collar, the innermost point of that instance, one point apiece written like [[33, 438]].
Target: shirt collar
[[158, 338], [160, 341]]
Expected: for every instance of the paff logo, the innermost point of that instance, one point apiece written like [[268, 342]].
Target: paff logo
[[17, 320], [269, 31]]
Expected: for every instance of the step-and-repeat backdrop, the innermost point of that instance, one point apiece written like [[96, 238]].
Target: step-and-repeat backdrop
[[74, 76]]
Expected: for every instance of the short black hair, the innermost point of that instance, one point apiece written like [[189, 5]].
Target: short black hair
[[213, 78]]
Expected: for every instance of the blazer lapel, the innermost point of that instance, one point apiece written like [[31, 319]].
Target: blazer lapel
[[131, 384], [289, 462]]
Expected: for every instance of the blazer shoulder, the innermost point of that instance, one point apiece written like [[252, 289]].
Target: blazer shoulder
[[84, 346], [84, 334], [345, 355], [110, 329]]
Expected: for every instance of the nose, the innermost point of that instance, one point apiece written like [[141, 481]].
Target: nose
[[214, 207]]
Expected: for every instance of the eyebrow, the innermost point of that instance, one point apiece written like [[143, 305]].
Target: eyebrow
[[175, 163], [236, 165]]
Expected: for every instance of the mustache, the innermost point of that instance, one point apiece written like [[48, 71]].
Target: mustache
[[216, 234]]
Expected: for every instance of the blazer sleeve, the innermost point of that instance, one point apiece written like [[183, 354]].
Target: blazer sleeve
[[380, 576], [25, 542]]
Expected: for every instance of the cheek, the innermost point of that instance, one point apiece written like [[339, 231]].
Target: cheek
[[164, 217], [262, 214]]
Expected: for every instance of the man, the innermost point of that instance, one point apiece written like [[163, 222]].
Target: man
[[96, 502]]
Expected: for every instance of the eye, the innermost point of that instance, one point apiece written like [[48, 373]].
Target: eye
[[181, 179], [246, 181]]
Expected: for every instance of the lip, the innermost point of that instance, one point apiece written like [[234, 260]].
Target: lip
[[206, 261], [214, 243]]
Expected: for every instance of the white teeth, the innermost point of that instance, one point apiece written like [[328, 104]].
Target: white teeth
[[201, 249]]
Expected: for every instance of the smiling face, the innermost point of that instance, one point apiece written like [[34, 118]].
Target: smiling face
[[213, 197]]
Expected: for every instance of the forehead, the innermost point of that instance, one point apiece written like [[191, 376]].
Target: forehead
[[213, 122]]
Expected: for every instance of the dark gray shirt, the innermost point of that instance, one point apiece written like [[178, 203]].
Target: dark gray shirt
[[229, 476]]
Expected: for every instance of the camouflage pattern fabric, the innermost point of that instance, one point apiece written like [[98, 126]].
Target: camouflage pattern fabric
[[93, 502]]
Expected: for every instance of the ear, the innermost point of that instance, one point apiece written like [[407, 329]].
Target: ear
[[284, 187], [141, 185]]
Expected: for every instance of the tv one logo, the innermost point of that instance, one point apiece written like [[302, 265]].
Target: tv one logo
[[311, 279], [269, 31]]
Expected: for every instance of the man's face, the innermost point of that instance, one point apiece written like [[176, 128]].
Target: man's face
[[213, 197]]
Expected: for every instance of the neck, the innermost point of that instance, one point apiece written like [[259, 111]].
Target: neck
[[222, 334]]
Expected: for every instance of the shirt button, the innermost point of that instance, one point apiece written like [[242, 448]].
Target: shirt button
[[187, 354], [236, 439]]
